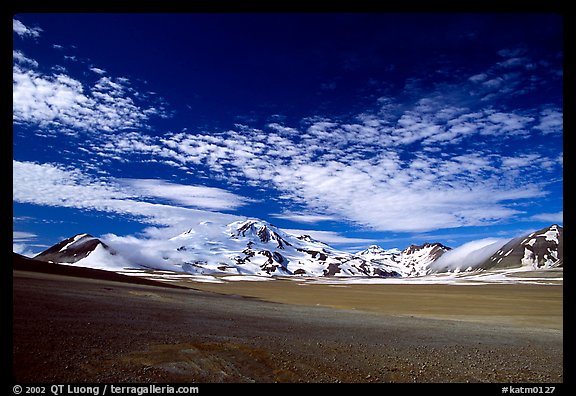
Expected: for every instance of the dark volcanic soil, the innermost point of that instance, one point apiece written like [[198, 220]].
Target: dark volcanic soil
[[71, 329]]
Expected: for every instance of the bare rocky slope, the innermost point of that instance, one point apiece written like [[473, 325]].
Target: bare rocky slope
[[538, 250]]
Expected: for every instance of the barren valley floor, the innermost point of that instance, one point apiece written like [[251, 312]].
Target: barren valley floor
[[78, 329]]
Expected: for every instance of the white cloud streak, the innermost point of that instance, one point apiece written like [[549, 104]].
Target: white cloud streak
[[22, 243], [201, 197], [555, 217], [21, 236], [50, 185]]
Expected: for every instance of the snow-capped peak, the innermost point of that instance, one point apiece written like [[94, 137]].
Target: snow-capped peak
[[412, 261], [308, 238], [372, 249], [258, 231], [77, 250], [76, 240], [377, 252]]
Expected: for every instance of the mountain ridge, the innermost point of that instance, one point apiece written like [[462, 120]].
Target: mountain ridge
[[540, 249], [256, 247]]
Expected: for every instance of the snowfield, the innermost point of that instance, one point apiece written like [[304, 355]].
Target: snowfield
[[554, 277]]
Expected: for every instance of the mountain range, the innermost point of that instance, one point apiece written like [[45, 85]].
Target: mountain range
[[255, 247]]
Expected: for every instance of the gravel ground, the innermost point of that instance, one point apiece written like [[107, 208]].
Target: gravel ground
[[69, 329]]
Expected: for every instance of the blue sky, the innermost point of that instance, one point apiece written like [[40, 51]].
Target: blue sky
[[361, 129]]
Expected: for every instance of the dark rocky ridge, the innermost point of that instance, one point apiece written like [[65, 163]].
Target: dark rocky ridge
[[72, 249], [541, 249]]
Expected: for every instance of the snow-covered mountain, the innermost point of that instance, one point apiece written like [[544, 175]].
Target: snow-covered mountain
[[375, 252], [255, 247], [416, 259], [412, 261], [541, 249], [258, 248], [250, 247]]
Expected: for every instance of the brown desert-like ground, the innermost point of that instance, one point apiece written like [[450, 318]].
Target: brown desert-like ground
[[96, 329]]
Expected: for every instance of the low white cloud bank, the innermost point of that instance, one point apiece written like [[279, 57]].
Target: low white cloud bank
[[148, 253], [161, 248], [470, 255]]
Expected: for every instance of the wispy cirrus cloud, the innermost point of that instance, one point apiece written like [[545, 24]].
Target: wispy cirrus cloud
[[516, 74], [52, 185], [97, 70], [24, 242], [22, 236], [202, 197], [555, 217]]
